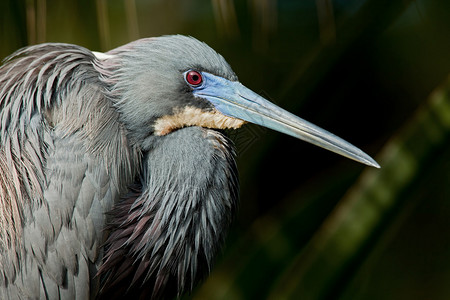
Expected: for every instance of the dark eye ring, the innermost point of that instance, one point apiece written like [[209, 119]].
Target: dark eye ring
[[193, 78]]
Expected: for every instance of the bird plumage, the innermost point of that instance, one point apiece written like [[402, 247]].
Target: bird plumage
[[168, 233], [65, 160], [115, 180], [74, 129]]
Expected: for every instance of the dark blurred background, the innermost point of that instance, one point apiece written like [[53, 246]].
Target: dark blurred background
[[311, 225]]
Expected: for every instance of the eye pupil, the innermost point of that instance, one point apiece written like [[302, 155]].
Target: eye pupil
[[193, 78]]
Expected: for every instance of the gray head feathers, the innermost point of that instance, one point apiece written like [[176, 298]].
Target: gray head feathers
[[146, 79]]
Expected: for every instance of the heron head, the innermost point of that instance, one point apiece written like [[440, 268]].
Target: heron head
[[171, 82]]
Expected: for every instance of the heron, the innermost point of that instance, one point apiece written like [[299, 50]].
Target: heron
[[116, 176]]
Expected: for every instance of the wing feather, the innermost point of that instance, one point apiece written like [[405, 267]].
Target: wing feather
[[64, 159]]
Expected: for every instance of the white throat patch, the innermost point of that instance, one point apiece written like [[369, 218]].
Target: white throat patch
[[101, 55]]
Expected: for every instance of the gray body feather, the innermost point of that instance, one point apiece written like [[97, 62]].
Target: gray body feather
[[76, 133], [164, 240], [60, 138]]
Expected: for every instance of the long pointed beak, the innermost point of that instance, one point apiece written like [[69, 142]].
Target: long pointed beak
[[235, 100]]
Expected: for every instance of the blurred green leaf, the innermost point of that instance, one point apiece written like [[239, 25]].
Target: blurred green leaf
[[322, 270]]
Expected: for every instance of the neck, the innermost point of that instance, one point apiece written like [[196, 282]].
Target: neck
[[174, 223]]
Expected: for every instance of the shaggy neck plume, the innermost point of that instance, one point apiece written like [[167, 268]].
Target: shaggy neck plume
[[165, 233]]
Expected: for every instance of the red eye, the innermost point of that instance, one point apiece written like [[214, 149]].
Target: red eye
[[194, 78]]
